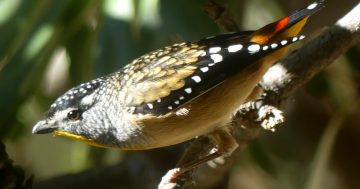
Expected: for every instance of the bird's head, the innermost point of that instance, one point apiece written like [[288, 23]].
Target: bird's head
[[76, 114]]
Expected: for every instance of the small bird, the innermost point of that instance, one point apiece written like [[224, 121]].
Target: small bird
[[176, 93]]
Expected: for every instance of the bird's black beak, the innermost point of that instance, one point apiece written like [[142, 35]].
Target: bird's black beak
[[43, 127]]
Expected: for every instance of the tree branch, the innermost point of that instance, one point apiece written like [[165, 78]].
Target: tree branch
[[12, 176], [280, 82]]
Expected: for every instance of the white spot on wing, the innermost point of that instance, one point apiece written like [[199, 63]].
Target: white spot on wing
[[302, 37], [253, 48], [204, 69], [265, 48], [196, 78], [214, 49], [216, 58], [181, 98], [294, 39], [177, 102], [188, 90], [235, 48], [151, 106], [283, 42], [312, 6], [170, 107], [274, 45]]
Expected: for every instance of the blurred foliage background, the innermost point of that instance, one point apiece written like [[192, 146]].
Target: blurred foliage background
[[46, 47]]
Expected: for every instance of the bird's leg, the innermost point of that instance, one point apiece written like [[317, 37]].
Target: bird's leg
[[224, 144]]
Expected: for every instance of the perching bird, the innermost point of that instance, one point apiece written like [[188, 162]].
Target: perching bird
[[176, 93]]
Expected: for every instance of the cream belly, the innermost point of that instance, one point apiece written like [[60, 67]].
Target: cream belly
[[206, 113]]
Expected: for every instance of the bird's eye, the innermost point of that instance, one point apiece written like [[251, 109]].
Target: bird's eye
[[73, 115]]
